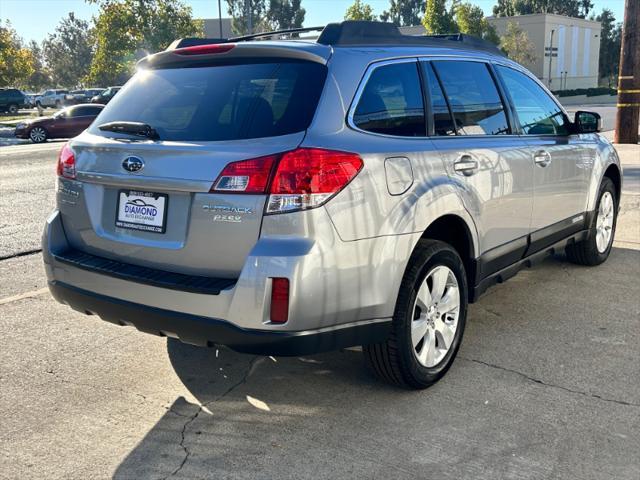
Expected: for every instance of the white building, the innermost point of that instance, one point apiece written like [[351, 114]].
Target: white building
[[567, 49], [212, 28]]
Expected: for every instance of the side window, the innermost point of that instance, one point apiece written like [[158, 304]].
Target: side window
[[442, 121], [81, 111], [391, 102], [475, 103], [537, 112], [84, 111]]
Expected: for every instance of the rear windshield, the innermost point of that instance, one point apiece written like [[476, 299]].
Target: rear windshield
[[216, 103]]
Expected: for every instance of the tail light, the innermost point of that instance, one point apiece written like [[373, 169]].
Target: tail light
[[308, 177], [246, 176], [66, 162], [279, 300], [297, 180]]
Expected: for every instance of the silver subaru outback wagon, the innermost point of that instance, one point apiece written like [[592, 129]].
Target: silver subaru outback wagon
[[288, 197]]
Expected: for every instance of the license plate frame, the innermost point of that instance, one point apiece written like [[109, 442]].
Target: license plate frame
[[145, 201]]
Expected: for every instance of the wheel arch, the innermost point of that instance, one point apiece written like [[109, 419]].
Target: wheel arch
[[613, 173], [454, 230], [607, 164]]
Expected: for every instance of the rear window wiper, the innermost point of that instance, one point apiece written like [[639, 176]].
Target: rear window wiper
[[132, 128]]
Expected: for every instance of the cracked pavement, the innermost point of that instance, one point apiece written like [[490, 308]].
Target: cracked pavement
[[545, 385]]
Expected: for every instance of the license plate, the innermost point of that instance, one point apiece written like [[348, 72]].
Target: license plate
[[145, 211]]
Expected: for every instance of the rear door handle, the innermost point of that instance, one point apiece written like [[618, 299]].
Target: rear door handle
[[466, 165], [542, 158]]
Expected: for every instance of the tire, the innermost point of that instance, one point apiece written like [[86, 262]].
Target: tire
[[13, 109], [38, 135], [397, 360], [595, 249]]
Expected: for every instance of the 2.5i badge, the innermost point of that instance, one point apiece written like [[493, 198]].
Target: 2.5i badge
[[145, 211]]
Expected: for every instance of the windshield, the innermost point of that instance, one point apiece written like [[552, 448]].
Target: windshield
[[217, 103]]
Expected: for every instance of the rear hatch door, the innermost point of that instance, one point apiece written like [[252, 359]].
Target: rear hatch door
[[148, 202]]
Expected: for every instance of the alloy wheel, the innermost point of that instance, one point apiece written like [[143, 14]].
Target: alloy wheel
[[435, 317], [38, 135], [604, 222]]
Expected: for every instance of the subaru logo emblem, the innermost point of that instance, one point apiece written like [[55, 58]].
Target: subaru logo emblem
[[132, 164]]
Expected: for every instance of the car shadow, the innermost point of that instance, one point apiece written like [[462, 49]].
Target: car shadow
[[326, 416]]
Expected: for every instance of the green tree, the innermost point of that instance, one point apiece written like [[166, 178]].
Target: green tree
[[40, 78], [516, 44], [126, 30], [285, 14], [404, 12], [359, 11], [438, 18], [16, 61], [504, 8], [610, 38], [239, 12], [68, 51], [470, 19], [571, 8]]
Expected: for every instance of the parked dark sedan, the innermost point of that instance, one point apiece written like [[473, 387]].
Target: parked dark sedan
[[65, 123]]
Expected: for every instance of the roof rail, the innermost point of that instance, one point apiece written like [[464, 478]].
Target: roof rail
[[361, 33], [194, 41], [469, 41], [275, 33]]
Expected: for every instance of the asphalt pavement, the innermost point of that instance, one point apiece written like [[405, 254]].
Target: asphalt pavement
[[545, 385]]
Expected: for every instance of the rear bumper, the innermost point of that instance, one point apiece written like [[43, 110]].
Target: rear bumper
[[325, 313], [204, 331]]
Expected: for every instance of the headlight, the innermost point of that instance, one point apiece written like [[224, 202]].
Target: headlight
[[21, 125]]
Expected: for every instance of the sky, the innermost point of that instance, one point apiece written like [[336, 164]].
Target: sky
[[35, 19]]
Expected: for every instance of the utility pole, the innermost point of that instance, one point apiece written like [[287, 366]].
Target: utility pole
[[628, 115], [220, 18], [247, 4]]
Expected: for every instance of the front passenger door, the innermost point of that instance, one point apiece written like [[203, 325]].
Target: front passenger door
[[561, 164]]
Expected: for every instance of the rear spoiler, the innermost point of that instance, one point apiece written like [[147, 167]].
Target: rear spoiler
[[193, 52]]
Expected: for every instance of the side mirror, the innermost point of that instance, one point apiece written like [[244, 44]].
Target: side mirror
[[587, 122]]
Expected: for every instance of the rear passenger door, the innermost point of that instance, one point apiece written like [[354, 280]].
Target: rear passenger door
[[561, 163], [471, 130]]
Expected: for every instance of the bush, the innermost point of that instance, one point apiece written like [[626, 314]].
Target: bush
[[589, 92]]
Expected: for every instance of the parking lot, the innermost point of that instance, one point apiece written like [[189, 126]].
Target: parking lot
[[545, 385]]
